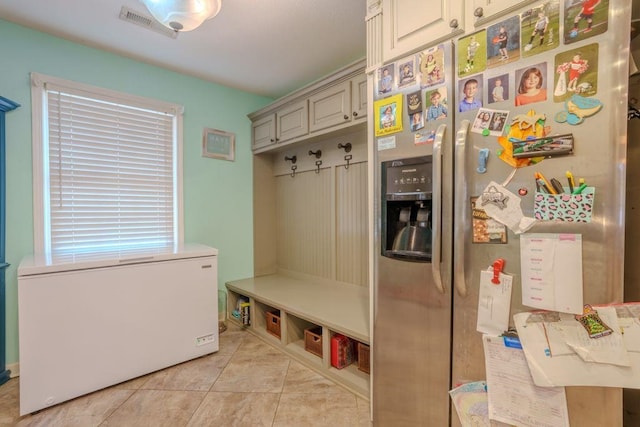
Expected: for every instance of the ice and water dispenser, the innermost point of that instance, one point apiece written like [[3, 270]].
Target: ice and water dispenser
[[406, 188]]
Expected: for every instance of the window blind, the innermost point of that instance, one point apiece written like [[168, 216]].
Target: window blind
[[111, 175]]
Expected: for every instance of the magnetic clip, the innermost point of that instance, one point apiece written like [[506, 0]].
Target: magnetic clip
[[483, 155], [498, 266]]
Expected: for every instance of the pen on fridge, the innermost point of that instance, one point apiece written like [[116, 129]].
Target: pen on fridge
[[557, 186], [572, 183], [546, 337], [547, 186], [540, 186]]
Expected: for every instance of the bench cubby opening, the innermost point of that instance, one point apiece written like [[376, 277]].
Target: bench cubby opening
[[302, 305]]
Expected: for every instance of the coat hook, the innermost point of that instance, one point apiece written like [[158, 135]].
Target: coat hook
[[318, 163], [317, 153], [347, 158], [292, 159], [293, 170], [347, 147]]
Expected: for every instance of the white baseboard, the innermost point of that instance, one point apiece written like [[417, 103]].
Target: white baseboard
[[14, 368]]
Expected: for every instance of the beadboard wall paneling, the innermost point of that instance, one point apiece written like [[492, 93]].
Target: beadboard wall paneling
[[305, 223], [352, 224]]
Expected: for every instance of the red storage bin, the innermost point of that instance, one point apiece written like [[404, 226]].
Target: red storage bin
[[343, 351]]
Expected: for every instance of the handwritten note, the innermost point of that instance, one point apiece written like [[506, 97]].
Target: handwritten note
[[513, 398], [552, 271], [560, 358]]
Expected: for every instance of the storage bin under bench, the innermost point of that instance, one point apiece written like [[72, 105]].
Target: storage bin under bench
[[300, 315]]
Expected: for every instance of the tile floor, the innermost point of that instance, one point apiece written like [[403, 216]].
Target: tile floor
[[247, 383]]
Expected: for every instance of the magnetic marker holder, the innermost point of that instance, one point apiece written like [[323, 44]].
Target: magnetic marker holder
[[483, 156], [498, 266]]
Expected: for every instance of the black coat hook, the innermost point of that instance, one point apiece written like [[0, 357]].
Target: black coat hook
[[317, 153], [292, 159], [347, 147], [347, 158]]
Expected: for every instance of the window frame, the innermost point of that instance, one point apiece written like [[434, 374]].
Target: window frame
[[39, 129]]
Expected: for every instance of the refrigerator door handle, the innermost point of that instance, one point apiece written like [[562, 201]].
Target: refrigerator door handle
[[436, 209], [460, 209]]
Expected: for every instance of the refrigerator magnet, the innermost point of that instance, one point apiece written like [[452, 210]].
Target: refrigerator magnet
[[594, 325]]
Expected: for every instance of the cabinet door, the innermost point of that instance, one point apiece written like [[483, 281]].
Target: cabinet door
[[492, 9], [330, 107], [292, 121], [408, 25], [264, 131], [359, 97]]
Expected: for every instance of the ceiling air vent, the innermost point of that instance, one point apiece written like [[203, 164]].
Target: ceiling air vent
[[137, 18]]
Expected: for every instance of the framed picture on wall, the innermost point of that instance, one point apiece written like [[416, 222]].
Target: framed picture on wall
[[218, 144]]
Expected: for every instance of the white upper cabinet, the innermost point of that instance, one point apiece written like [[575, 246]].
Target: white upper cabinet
[[485, 10], [264, 131], [330, 107], [292, 121], [332, 104], [407, 25], [359, 97], [338, 104]]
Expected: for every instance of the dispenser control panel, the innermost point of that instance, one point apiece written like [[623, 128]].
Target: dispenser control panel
[[409, 178]]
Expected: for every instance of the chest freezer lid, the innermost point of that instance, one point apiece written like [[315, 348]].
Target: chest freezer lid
[[43, 263]]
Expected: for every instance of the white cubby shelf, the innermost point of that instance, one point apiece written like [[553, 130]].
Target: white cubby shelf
[[304, 303]]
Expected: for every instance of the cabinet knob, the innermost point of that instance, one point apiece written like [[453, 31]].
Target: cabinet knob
[[277, 139], [346, 117], [355, 114], [478, 13], [453, 23], [273, 140]]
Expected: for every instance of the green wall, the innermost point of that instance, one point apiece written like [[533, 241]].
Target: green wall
[[217, 194]]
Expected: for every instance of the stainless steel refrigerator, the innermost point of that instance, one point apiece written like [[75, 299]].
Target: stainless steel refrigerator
[[430, 170]]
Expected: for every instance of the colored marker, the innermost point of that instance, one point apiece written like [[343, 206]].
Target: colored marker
[[540, 186], [572, 183], [533, 146], [557, 185], [548, 186], [580, 188]]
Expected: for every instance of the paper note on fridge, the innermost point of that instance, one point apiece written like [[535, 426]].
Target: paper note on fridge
[[494, 303], [551, 270], [512, 396], [556, 357]]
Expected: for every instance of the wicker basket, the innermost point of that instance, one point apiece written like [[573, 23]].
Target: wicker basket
[[363, 357], [273, 323], [313, 340]]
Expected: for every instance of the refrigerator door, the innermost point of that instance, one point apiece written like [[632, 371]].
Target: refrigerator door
[[412, 300], [598, 157]]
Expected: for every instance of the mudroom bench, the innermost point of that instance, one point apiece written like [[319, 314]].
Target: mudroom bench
[[301, 316]]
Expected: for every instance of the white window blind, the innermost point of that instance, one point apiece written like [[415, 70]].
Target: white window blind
[[111, 175]]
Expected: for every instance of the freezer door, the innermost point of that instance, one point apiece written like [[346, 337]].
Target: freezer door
[[412, 317]]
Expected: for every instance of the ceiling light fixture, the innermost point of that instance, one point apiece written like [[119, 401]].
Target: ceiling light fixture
[[183, 15]]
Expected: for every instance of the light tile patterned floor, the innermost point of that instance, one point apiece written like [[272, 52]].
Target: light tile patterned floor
[[246, 383]]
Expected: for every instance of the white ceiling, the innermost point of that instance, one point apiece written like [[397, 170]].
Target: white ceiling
[[266, 47]]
